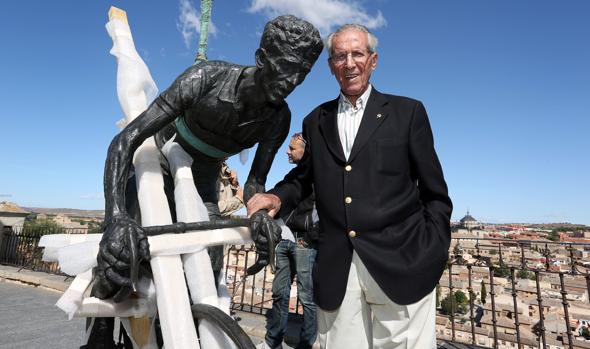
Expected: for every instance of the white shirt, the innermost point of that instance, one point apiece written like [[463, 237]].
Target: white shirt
[[349, 119]]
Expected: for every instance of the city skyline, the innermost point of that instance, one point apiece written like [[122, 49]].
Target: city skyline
[[505, 85]]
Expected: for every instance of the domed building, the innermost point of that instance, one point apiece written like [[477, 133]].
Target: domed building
[[468, 222]]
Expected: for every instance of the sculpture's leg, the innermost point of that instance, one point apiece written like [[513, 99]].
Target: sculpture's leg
[[190, 208]]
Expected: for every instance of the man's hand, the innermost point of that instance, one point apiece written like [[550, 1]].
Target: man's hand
[[123, 246], [266, 233], [268, 202]]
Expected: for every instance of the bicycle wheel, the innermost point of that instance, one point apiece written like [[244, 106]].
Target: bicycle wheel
[[225, 322]]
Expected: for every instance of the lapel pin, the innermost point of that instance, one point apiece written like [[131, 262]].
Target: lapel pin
[[378, 116]]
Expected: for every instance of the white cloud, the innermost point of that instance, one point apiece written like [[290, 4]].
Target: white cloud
[[189, 23], [324, 14]]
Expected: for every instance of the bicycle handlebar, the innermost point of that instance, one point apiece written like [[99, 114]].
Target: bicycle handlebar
[[182, 227]]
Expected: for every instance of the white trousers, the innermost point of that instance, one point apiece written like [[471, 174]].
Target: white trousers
[[367, 318]]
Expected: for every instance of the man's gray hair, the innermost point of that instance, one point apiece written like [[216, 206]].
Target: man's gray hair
[[371, 38]]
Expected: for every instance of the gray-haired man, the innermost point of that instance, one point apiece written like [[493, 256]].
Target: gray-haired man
[[382, 202]]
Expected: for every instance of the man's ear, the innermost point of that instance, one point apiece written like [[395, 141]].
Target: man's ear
[[260, 58], [374, 61]]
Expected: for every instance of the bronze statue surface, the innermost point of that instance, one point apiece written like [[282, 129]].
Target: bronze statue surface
[[216, 110]]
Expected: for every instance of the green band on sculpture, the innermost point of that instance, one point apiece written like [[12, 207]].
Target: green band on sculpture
[[196, 143]]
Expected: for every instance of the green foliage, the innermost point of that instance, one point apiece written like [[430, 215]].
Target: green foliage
[[523, 274], [484, 293], [456, 303], [457, 249], [570, 227], [502, 271], [553, 236], [95, 230], [585, 332], [461, 298], [448, 305], [42, 227]]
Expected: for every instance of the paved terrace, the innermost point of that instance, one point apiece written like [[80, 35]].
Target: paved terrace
[[30, 319]]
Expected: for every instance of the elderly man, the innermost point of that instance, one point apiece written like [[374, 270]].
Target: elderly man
[[382, 202]]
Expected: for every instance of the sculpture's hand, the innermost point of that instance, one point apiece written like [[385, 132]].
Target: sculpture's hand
[[266, 233], [252, 187], [123, 246]]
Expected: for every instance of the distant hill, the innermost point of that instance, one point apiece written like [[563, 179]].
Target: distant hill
[[561, 226], [67, 212]]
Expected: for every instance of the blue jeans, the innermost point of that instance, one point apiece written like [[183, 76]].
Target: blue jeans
[[291, 259]]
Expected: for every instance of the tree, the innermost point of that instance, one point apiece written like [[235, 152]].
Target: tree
[[437, 295], [41, 227], [457, 249], [502, 271], [461, 298], [523, 274], [94, 230], [484, 293], [553, 236], [448, 305], [454, 303]]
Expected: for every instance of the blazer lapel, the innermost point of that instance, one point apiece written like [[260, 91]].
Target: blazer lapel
[[372, 119], [329, 129]]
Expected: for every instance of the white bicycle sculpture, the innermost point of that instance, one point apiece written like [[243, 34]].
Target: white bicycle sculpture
[[165, 244]]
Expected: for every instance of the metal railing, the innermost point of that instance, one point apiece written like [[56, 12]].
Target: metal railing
[[537, 292], [533, 288], [526, 282], [20, 247], [252, 293]]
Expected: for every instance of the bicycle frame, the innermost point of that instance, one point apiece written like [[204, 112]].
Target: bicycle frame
[[172, 295]]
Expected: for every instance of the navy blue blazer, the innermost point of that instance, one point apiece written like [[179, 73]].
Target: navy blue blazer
[[388, 202]]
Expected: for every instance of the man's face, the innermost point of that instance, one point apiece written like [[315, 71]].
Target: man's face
[[233, 177], [295, 150], [351, 62], [281, 73]]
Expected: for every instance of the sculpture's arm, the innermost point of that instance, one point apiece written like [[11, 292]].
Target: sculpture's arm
[[124, 243], [122, 148], [186, 89], [266, 151]]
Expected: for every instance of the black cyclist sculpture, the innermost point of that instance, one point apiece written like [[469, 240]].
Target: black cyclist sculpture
[[215, 109]]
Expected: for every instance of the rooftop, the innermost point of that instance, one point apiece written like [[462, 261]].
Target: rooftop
[[11, 207]]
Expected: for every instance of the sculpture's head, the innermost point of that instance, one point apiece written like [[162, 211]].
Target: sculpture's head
[[288, 49]]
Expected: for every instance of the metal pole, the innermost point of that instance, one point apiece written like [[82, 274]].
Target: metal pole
[[206, 6]]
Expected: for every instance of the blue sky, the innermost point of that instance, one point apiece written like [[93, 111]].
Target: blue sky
[[506, 85]]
